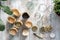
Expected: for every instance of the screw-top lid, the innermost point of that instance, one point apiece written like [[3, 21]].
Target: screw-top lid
[[25, 15]]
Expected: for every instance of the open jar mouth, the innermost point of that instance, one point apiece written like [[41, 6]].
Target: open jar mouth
[[11, 20], [25, 32], [28, 24], [13, 31], [16, 12], [18, 24], [34, 28]]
